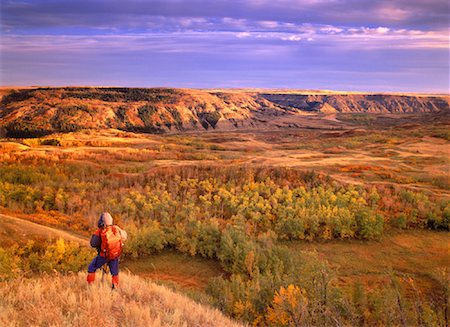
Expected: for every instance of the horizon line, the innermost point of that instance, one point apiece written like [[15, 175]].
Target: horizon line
[[242, 89]]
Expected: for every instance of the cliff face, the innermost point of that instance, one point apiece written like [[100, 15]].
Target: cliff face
[[373, 103], [34, 112]]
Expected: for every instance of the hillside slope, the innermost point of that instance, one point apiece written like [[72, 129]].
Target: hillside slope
[[69, 301], [36, 112], [358, 103], [14, 230]]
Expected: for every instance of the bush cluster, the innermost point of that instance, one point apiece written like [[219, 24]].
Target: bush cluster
[[293, 205], [237, 216], [46, 256]]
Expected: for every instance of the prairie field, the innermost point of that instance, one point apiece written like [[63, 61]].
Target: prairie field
[[273, 163], [344, 221]]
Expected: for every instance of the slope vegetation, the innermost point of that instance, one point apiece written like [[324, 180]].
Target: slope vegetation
[[36, 112], [69, 301], [13, 230]]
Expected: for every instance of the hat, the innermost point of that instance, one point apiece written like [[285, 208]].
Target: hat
[[105, 220]]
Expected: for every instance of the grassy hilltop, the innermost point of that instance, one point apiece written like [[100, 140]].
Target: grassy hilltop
[[56, 300]]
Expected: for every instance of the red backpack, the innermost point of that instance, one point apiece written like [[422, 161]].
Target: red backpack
[[111, 242]]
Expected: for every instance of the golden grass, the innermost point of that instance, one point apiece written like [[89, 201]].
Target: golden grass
[[69, 301], [13, 230], [416, 253], [176, 269], [411, 158]]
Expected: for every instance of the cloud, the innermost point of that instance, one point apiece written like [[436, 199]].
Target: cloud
[[240, 35], [393, 14], [291, 38], [382, 30], [361, 38], [247, 43], [269, 24], [188, 43], [122, 14]]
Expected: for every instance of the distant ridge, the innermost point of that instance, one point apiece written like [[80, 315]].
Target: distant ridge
[[39, 111]]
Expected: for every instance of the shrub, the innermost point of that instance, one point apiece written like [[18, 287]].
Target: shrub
[[49, 256], [52, 142], [290, 228], [233, 250], [145, 240], [370, 224], [399, 221], [289, 307], [208, 238]]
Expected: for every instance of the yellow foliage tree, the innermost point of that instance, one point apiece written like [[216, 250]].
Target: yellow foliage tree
[[250, 263], [289, 307]]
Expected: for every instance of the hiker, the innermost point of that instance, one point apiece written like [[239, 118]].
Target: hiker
[[108, 240]]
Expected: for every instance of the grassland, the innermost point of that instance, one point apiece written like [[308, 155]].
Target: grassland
[[189, 198], [182, 272], [69, 301], [415, 157], [418, 254]]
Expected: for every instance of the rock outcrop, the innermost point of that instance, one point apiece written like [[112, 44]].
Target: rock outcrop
[[39, 111]]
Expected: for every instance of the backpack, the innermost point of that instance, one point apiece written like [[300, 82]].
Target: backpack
[[111, 242]]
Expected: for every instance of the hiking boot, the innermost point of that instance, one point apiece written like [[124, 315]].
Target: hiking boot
[[90, 277], [115, 282]]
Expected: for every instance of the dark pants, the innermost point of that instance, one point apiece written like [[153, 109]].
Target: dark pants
[[99, 261]]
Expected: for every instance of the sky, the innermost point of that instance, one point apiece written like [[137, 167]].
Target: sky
[[349, 45]]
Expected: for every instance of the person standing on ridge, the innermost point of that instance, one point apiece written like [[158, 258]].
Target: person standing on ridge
[[108, 239]]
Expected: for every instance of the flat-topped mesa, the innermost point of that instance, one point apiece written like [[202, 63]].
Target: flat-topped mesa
[[39, 111]]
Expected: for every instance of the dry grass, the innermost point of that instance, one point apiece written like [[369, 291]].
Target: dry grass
[[417, 253], [402, 154], [176, 269], [413, 159], [14, 230], [69, 301]]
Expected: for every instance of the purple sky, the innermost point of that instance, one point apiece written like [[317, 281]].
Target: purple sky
[[360, 45]]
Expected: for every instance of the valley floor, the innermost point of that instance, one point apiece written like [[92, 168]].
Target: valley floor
[[396, 174]]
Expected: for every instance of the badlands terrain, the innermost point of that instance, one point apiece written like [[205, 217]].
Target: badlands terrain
[[40, 111], [274, 206]]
